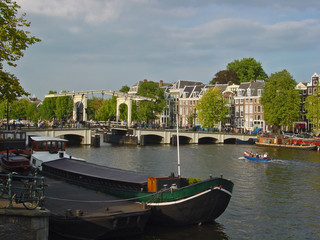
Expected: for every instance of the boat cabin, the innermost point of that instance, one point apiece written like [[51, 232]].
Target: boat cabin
[[48, 144], [12, 140]]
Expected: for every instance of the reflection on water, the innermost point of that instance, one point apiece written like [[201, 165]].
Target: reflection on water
[[204, 232], [271, 200]]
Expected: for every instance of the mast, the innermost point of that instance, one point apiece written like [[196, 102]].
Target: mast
[[178, 150]]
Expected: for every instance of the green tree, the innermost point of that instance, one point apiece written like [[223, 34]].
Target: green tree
[[148, 110], [281, 102], [64, 108], [19, 109], [224, 77], [312, 106], [247, 69], [14, 40], [125, 89], [32, 112], [22, 109], [48, 107], [107, 111], [212, 108], [93, 107]]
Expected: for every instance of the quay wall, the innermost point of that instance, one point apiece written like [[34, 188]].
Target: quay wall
[[24, 224]]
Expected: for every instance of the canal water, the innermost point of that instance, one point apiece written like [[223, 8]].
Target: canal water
[[271, 200]]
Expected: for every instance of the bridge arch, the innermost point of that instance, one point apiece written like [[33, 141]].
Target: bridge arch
[[182, 139], [149, 139], [80, 103], [126, 102], [207, 140]]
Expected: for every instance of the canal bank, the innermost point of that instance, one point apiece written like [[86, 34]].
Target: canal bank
[[18, 222]]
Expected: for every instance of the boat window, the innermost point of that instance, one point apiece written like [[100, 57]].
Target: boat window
[[50, 145], [60, 145], [20, 136], [9, 136], [42, 145]]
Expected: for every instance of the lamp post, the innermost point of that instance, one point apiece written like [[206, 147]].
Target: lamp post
[[7, 128]]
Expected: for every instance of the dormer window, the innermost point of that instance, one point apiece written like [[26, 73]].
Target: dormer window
[[241, 92]]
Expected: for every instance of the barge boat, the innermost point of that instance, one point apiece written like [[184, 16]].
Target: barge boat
[[173, 200]]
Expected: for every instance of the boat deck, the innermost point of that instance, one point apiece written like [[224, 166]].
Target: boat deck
[[97, 171], [63, 198]]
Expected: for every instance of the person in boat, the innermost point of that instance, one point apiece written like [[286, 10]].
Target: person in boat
[[265, 155]]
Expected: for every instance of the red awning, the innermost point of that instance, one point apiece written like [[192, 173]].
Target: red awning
[[301, 125]]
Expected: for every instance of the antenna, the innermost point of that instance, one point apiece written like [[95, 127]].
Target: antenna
[[178, 150]]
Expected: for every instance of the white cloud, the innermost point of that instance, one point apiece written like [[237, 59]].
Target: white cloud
[[92, 11], [250, 35]]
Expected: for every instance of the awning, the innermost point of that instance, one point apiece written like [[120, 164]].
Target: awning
[[301, 125]]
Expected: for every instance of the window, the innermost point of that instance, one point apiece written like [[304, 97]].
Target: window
[[9, 136], [42, 145], [60, 145]]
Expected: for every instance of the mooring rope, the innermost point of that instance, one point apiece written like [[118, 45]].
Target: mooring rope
[[156, 195], [100, 201]]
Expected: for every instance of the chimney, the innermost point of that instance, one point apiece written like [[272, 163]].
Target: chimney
[[160, 83]]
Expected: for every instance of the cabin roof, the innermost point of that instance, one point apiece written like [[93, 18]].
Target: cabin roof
[[97, 171], [40, 139]]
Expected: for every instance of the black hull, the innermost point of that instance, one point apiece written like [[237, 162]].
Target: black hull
[[201, 209], [95, 228]]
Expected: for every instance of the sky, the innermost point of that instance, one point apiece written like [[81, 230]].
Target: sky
[[100, 44]]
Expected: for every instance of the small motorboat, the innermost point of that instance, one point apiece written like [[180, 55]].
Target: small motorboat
[[257, 157]]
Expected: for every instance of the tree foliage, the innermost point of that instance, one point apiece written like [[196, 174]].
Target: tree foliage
[[148, 110], [20, 109], [10, 88], [247, 69], [225, 76], [280, 100], [14, 40], [312, 106], [125, 89], [93, 106], [212, 108], [64, 108], [48, 107], [107, 111]]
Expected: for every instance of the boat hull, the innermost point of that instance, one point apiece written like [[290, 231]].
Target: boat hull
[[201, 208], [94, 228], [302, 147], [249, 156], [258, 159]]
